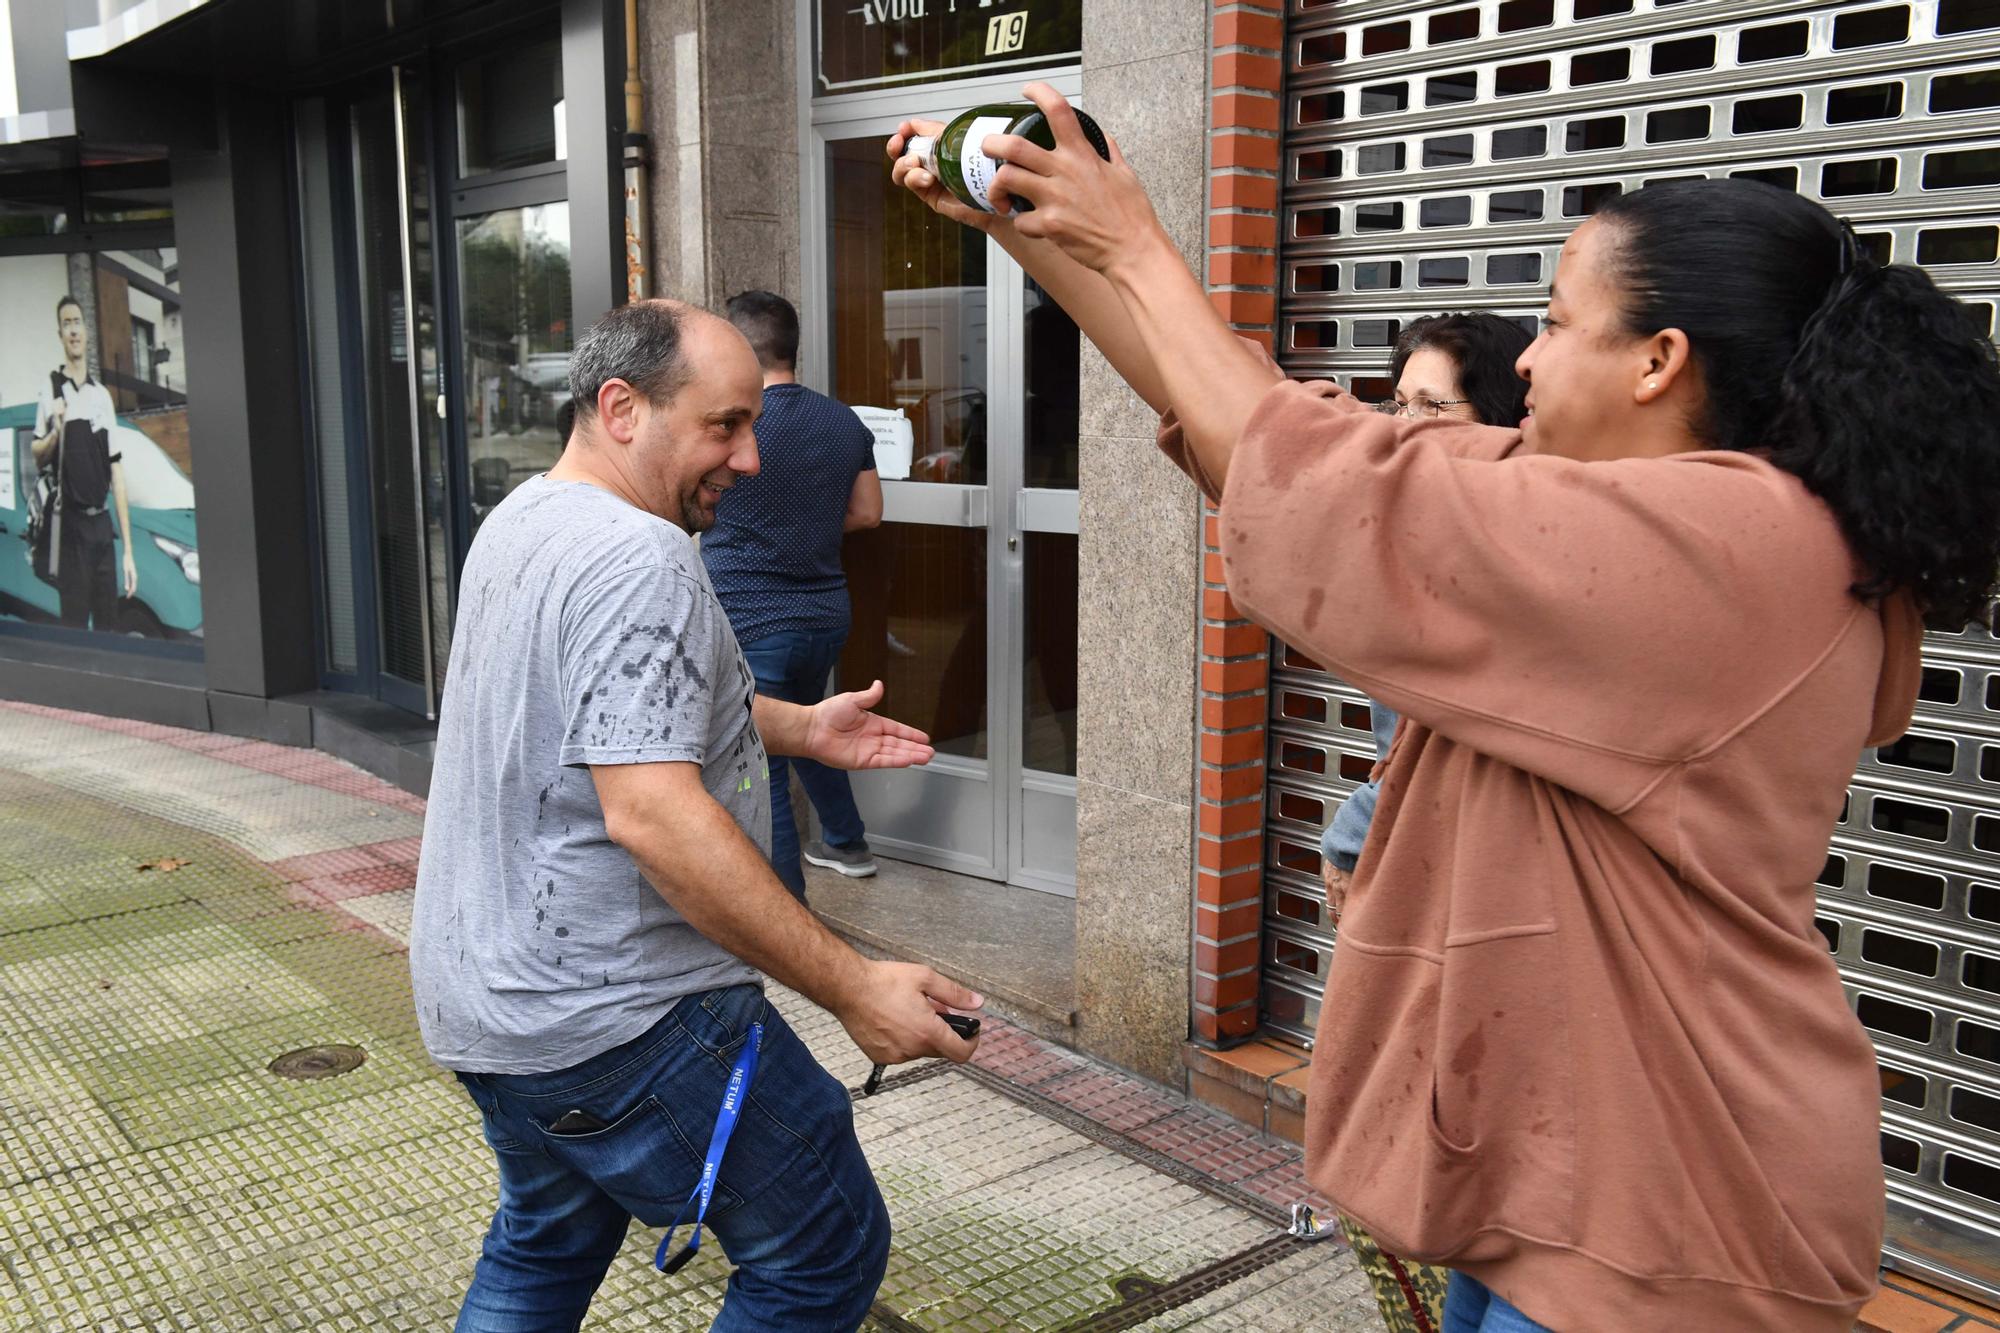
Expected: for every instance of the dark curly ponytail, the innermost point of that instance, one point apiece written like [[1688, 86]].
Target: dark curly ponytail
[[1865, 381]]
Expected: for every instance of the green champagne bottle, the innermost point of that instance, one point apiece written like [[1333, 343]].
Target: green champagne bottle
[[953, 156]]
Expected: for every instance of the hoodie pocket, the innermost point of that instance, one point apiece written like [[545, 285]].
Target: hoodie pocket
[[1499, 1121], [1439, 1134]]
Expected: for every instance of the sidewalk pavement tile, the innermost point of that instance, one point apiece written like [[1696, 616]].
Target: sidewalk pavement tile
[[388, 912], [155, 1174]]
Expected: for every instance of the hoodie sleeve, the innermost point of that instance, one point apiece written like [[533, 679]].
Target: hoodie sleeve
[[1591, 623]]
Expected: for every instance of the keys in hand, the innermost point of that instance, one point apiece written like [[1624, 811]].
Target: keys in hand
[[964, 1025]]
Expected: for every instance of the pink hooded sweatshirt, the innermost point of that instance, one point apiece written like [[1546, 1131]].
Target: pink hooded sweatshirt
[[1581, 1039]]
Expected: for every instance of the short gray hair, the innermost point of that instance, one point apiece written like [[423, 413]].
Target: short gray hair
[[638, 343]]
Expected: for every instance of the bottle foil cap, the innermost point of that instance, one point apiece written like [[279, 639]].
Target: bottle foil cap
[[924, 146]]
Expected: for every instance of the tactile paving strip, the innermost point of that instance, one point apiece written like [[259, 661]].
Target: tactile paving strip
[[155, 1175]]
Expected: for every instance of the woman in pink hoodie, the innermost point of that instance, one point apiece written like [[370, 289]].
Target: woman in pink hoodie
[[1581, 1043]]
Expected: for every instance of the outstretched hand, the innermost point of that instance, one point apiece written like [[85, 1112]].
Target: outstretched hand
[[842, 733]]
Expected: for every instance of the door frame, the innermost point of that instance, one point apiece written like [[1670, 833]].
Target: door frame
[[338, 105], [1008, 508], [451, 198]]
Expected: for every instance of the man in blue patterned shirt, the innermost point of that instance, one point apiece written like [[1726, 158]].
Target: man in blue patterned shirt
[[773, 557]]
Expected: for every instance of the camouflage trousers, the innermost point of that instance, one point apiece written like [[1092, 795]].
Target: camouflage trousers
[[1410, 1295]]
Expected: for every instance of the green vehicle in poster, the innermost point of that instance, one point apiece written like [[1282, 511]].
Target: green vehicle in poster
[[161, 500]]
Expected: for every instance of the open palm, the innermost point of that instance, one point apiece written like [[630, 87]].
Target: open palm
[[842, 733]]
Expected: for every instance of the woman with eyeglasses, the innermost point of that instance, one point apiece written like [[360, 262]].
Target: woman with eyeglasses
[[1459, 367], [1581, 1043]]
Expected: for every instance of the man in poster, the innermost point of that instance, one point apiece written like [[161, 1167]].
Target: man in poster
[[73, 425]]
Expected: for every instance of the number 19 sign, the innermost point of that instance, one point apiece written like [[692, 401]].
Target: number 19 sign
[[1006, 33], [883, 43]]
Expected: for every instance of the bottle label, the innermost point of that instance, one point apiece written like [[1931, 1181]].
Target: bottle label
[[977, 168]]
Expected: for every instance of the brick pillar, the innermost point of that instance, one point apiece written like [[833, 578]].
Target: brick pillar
[[1244, 155], [1229, 882]]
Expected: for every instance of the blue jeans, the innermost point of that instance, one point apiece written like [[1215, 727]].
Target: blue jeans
[[795, 1205], [794, 666], [1471, 1307]]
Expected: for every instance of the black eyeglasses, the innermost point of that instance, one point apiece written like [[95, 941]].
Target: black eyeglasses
[[1419, 406]]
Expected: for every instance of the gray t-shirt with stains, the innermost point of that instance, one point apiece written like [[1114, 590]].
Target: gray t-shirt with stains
[[587, 634]]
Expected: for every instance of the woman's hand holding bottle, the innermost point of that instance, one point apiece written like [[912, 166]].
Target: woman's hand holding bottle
[[1094, 210], [1094, 243], [910, 172]]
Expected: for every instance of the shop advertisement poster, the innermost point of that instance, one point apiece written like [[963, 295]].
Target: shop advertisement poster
[[97, 508]]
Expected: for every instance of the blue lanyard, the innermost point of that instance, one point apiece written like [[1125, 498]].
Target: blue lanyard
[[718, 1144]]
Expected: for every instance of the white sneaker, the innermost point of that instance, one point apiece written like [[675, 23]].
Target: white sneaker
[[855, 862]]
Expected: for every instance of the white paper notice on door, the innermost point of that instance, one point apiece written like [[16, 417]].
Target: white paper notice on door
[[7, 463], [894, 440]]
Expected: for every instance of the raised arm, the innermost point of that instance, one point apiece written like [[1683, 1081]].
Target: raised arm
[[1094, 244]]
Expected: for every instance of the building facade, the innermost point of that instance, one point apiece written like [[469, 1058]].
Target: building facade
[[330, 259]]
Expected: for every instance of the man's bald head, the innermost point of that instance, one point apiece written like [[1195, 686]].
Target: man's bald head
[[643, 344]]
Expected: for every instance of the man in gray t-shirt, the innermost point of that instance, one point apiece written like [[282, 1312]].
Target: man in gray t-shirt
[[556, 947], [594, 902]]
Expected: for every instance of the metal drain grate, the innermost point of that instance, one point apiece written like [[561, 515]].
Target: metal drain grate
[[1123, 1144], [1141, 1299], [316, 1062]]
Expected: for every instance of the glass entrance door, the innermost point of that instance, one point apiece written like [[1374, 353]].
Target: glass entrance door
[[389, 137], [964, 600], [434, 232], [909, 346], [1043, 534]]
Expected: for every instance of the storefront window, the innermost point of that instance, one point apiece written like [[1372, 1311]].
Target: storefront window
[[909, 322], [37, 191], [515, 290], [125, 189], [1048, 652], [400, 385], [1050, 359], [96, 489]]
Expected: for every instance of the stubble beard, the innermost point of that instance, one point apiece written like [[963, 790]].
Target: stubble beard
[[694, 516]]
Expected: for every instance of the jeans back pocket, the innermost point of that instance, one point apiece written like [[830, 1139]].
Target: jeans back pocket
[[646, 1160]]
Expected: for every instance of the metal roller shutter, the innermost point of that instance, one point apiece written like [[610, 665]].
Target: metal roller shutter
[[1435, 156]]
